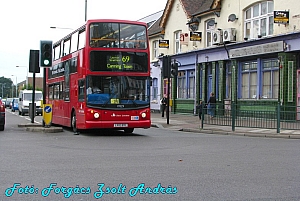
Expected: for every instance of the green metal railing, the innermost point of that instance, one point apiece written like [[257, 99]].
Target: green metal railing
[[254, 116]]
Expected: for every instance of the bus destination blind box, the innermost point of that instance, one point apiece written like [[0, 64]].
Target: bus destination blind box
[[45, 53]]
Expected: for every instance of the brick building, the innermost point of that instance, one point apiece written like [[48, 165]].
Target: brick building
[[38, 83]]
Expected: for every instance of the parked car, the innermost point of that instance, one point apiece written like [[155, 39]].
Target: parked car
[[3, 101], [15, 104], [2, 116], [7, 102]]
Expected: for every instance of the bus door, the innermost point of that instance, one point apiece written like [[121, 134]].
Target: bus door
[[80, 106]]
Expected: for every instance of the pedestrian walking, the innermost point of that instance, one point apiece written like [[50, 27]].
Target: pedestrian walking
[[199, 107], [164, 105], [211, 105]]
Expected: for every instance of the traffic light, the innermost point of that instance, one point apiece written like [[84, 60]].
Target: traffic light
[[166, 62], [46, 53], [34, 61], [174, 69]]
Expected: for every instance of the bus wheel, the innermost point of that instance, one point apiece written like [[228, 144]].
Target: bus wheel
[[128, 130], [73, 122]]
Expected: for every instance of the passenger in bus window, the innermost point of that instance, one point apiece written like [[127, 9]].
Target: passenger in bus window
[[137, 45], [130, 45], [142, 45]]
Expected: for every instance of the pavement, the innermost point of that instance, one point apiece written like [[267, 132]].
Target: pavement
[[189, 123]]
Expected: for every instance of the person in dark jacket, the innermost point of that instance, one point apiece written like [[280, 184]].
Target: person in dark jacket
[[199, 107], [164, 105], [211, 105]]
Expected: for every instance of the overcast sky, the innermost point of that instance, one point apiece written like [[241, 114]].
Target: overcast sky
[[25, 22]]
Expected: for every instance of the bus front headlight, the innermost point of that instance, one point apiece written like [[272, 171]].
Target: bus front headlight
[[96, 115], [143, 114]]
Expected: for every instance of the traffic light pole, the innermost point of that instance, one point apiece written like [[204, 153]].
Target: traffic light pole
[[168, 97], [33, 68], [168, 90], [167, 74], [33, 99]]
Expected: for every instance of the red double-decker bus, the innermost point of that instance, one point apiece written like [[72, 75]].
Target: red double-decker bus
[[100, 77]]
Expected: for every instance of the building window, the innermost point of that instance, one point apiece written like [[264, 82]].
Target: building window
[[155, 49], [154, 88], [270, 82], [249, 80], [259, 20], [177, 42], [209, 33], [191, 89], [181, 85]]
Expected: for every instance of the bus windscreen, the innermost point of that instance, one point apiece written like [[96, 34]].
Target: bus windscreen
[[118, 92]]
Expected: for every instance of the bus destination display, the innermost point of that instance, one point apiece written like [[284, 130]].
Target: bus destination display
[[119, 62]]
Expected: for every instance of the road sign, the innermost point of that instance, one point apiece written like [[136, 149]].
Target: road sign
[[47, 114]]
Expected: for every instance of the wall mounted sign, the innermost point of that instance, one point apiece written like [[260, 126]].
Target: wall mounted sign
[[257, 49], [184, 40], [281, 17], [164, 44], [195, 36]]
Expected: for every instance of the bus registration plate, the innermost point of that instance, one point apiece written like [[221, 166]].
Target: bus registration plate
[[120, 125]]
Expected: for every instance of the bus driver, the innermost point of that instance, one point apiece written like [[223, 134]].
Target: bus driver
[[92, 89]]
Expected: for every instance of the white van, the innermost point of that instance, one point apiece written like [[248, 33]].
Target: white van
[[25, 97]]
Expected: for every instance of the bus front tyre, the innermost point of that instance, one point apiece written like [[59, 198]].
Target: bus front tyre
[[128, 130]]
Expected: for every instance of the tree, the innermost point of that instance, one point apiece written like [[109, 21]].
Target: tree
[[6, 87]]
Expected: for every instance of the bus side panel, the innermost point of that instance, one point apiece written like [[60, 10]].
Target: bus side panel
[[58, 112], [67, 114], [80, 112]]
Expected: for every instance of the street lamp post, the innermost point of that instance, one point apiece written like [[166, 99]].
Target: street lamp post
[[61, 28], [85, 12], [26, 82]]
